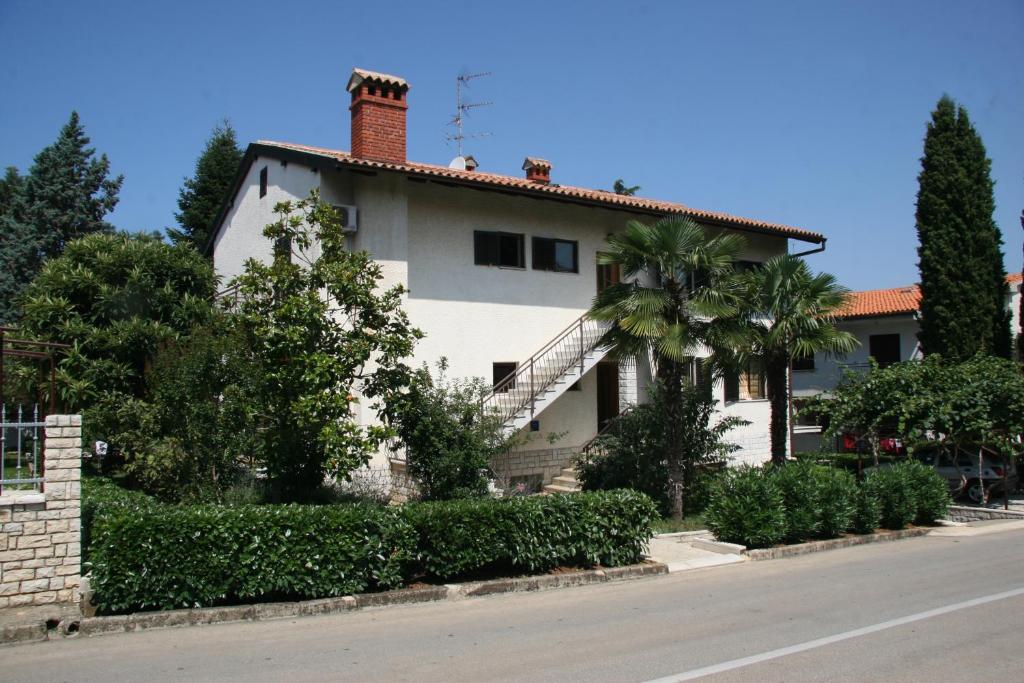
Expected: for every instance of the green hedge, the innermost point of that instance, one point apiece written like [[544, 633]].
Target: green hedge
[[146, 556], [762, 506], [533, 533], [101, 492]]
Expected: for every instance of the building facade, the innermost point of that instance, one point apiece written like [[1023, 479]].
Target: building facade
[[500, 270]]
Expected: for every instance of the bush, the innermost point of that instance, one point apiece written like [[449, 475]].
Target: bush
[[149, 555], [800, 485], [632, 452], [449, 440], [893, 489], [747, 507], [190, 556], [868, 513], [99, 493], [930, 492], [839, 508], [531, 533]]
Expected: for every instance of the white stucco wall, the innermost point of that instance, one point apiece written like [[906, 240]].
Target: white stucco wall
[[828, 370], [242, 237]]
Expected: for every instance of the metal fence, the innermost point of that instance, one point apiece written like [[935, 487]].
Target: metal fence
[[22, 430]]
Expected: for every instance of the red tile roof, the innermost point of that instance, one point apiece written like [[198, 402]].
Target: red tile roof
[[879, 302], [578, 193]]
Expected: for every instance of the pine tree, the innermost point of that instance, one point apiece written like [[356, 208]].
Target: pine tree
[[11, 186], [201, 196], [68, 191], [963, 280]]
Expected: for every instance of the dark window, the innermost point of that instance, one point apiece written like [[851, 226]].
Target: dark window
[[746, 266], [884, 348], [500, 374], [263, 182], [498, 249], [283, 248], [607, 275], [575, 386], [747, 385], [803, 363], [561, 256]]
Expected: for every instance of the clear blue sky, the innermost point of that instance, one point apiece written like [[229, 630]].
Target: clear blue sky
[[806, 113]]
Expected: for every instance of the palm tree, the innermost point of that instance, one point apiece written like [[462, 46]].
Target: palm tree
[[658, 312], [786, 311]]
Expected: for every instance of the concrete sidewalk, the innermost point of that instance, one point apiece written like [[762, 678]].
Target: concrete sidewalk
[[681, 552]]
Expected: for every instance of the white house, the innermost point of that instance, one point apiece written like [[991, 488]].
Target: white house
[[500, 270], [885, 323]]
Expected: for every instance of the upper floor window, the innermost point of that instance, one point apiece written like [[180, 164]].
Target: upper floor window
[[502, 374], [263, 181], [561, 256], [498, 249], [884, 348]]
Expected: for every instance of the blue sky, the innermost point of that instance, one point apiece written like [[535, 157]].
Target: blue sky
[[806, 113]]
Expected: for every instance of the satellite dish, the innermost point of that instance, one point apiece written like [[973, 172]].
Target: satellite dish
[[458, 163]]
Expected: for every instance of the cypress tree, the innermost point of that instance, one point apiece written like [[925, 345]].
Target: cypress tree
[[201, 195], [963, 280]]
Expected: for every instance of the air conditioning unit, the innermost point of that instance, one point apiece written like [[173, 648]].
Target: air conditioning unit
[[349, 217]]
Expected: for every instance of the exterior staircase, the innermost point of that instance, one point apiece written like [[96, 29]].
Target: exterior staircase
[[539, 380], [564, 483]]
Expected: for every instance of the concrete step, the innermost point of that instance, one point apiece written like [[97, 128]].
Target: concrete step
[[555, 488], [568, 482]]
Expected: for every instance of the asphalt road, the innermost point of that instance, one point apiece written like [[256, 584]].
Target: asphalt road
[[927, 609]]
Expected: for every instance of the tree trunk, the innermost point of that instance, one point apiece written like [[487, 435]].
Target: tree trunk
[[671, 375], [778, 394]]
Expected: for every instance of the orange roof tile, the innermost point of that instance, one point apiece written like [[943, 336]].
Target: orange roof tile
[[522, 184], [878, 302]]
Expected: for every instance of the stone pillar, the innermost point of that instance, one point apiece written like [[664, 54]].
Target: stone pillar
[[40, 532]]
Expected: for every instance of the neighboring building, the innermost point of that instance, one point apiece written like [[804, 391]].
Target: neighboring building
[[884, 321], [499, 270]]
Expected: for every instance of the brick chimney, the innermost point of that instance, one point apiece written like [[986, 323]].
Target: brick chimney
[[537, 170], [378, 111]]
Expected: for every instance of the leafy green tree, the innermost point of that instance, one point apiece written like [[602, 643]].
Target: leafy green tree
[[321, 334], [786, 311], [620, 187], [448, 438], [631, 453], [202, 195], [963, 281], [65, 195], [656, 310], [116, 298]]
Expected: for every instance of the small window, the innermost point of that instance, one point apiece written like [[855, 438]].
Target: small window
[[748, 385], [576, 386], [263, 182], [503, 249], [500, 373], [607, 275], [283, 248], [803, 363], [884, 348], [746, 266], [560, 256]]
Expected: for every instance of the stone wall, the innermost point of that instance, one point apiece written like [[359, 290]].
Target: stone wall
[[40, 532]]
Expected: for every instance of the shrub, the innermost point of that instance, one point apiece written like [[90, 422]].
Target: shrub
[[892, 488], [838, 498], [189, 556], [930, 492], [868, 513], [449, 440], [531, 533], [632, 453], [101, 492], [747, 507], [800, 485]]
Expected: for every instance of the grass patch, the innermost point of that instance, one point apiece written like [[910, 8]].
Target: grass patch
[[671, 526]]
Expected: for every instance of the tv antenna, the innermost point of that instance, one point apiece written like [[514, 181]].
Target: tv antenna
[[462, 110]]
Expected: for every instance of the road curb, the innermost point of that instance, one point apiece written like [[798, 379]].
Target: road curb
[[142, 621], [833, 544]]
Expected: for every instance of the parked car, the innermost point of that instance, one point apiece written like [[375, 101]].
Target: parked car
[[961, 471]]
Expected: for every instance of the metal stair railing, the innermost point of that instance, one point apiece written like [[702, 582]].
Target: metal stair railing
[[519, 390]]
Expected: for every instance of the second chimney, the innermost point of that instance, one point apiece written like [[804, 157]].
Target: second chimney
[[378, 109], [537, 170]]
